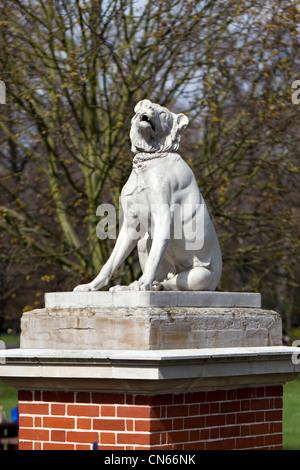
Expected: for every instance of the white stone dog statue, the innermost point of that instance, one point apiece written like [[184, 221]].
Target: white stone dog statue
[[177, 244]]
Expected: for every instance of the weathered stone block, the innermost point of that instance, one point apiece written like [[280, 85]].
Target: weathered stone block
[[149, 327]]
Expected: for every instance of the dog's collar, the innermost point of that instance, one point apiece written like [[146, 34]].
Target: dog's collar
[[144, 157]]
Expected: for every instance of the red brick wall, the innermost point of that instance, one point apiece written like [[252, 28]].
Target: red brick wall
[[246, 418]]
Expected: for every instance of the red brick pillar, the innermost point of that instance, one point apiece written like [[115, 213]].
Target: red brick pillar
[[237, 418]]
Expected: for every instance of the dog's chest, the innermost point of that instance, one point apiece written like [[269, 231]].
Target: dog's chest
[[133, 195], [136, 184]]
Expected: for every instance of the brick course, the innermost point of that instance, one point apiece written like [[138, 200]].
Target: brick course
[[246, 418]]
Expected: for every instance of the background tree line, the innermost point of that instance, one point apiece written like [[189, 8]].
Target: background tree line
[[74, 70]]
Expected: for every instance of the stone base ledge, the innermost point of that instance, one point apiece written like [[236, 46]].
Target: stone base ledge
[[59, 300], [148, 371]]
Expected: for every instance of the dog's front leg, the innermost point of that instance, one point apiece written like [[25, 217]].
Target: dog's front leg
[[123, 247], [160, 239]]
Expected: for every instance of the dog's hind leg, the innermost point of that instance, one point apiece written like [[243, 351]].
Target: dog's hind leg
[[194, 279]]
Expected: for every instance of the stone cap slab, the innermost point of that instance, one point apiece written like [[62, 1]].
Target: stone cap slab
[[149, 371], [152, 299]]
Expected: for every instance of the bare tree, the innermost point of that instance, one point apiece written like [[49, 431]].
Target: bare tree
[[74, 71]]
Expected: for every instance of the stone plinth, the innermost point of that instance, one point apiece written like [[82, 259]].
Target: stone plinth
[[149, 321]]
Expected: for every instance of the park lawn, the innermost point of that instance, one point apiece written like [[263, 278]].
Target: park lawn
[[8, 395], [10, 340], [8, 399], [291, 415]]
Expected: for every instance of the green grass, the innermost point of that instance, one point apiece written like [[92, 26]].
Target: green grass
[[9, 339], [291, 415], [8, 395], [8, 399]]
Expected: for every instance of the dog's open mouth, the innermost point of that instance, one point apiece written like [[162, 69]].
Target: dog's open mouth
[[145, 118]]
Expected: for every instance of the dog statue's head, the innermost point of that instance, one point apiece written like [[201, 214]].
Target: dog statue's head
[[155, 128]]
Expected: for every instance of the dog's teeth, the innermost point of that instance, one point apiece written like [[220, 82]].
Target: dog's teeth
[[146, 119]]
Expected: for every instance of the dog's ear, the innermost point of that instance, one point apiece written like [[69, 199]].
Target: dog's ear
[[182, 122]]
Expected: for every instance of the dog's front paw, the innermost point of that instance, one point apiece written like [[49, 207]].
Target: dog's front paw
[[141, 284], [119, 288], [83, 288]]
